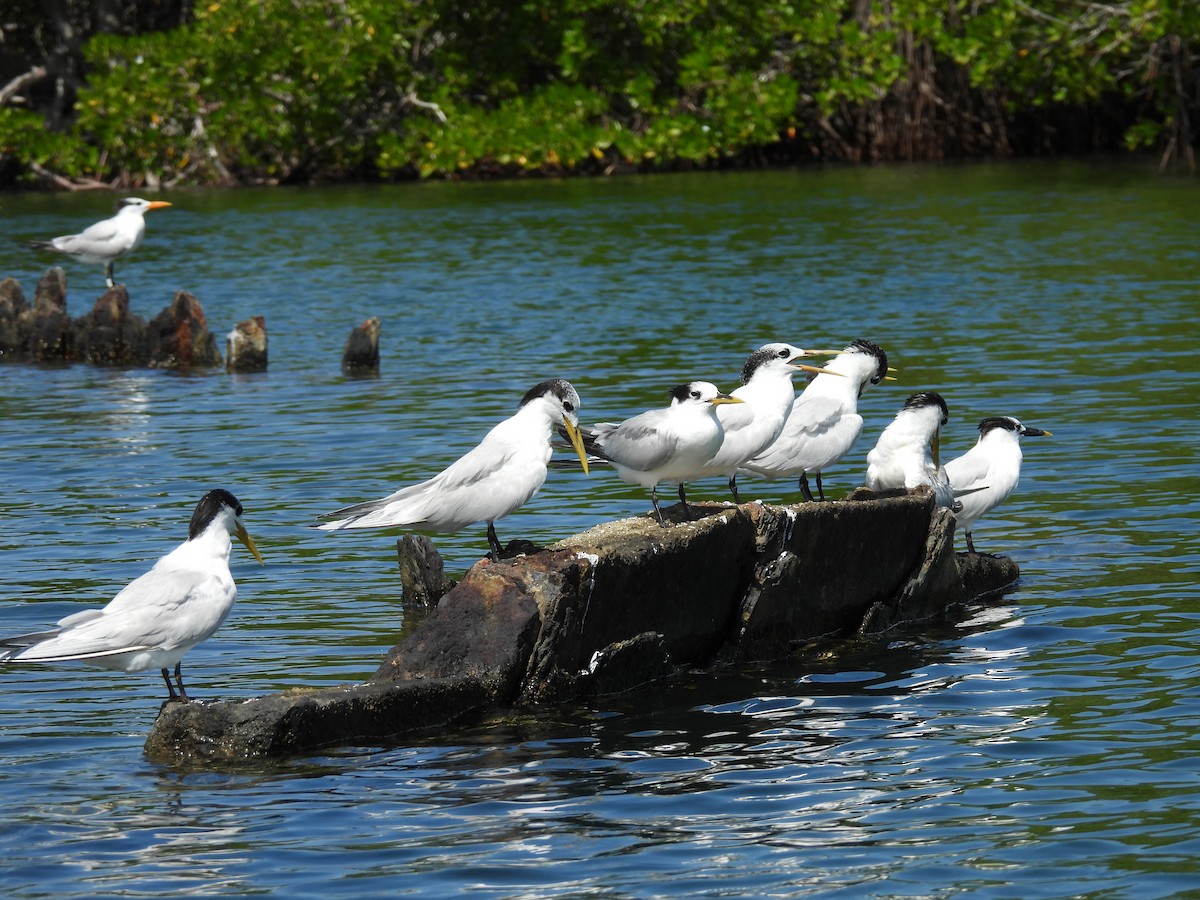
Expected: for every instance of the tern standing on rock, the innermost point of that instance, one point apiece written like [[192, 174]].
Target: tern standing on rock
[[824, 424], [670, 444], [994, 463], [160, 616], [501, 474], [107, 241], [766, 394], [907, 452]]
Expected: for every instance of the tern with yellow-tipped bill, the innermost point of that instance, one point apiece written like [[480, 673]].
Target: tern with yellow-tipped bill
[[499, 475], [159, 616]]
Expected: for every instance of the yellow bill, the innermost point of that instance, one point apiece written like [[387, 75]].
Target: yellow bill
[[725, 398], [577, 443], [157, 204], [817, 369], [244, 536]]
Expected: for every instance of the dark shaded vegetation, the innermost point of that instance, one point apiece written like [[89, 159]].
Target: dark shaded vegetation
[[161, 92]]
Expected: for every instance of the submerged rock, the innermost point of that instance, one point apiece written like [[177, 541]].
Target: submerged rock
[[361, 353], [246, 346], [622, 604], [178, 337], [302, 721], [46, 329]]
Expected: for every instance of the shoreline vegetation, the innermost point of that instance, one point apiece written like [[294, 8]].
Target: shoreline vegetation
[[164, 93]]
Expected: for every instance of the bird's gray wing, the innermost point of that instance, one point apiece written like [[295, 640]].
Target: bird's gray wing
[[359, 509], [22, 641], [143, 615], [101, 232], [93, 637], [481, 463], [967, 471], [813, 415], [640, 443]]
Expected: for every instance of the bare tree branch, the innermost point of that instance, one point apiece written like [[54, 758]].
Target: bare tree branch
[[68, 184], [37, 73]]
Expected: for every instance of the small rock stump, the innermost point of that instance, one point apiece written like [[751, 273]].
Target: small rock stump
[[361, 353], [246, 346]]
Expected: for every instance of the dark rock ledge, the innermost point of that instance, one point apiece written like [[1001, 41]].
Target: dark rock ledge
[[619, 606]]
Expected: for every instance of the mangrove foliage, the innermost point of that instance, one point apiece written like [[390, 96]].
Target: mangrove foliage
[[164, 92]]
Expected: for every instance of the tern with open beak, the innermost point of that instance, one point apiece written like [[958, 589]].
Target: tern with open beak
[[824, 424], [766, 394]]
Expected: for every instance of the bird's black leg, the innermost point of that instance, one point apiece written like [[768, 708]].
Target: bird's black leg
[[733, 488], [820, 488], [166, 674], [970, 543], [657, 511], [108, 274], [183, 697], [494, 542], [808, 497], [687, 512]]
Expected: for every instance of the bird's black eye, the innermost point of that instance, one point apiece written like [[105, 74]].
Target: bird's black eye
[[695, 395], [568, 406], [783, 354]]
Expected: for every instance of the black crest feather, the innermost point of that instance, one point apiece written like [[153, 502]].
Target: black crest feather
[[209, 508], [922, 399], [862, 345], [560, 388]]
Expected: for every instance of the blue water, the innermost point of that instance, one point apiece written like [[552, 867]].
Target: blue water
[[1043, 746]]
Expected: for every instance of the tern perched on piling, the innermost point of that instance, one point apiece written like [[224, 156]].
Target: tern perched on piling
[[670, 444], [160, 616], [766, 394], [824, 424], [106, 241], [907, 452], [501, 474], [994, 463]]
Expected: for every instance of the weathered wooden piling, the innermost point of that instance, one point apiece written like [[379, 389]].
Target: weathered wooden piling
[[246, 346], [361, 353], [109, 335], [178, 337]]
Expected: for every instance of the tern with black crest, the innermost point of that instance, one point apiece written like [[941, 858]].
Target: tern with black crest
[[823, 424], [158, 617], [907, 453], [993, 463], [671, 444], [766, 394], [501, 474]]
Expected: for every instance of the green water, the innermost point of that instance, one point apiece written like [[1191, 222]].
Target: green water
[[1044, 747]]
